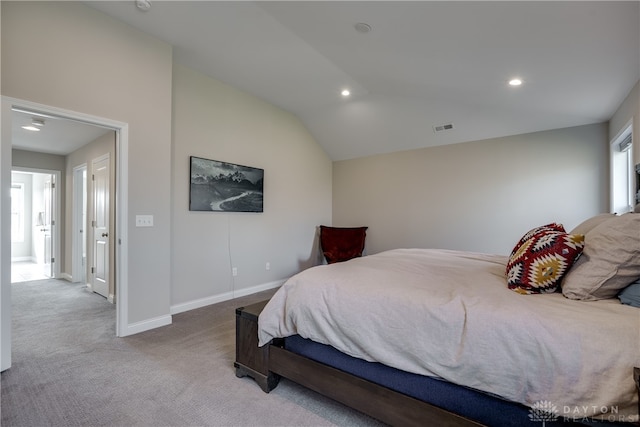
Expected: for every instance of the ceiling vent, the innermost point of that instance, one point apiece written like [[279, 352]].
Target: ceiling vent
[[443, 128]]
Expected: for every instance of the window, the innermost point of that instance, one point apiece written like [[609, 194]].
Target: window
[[622, 173], [17, 213]]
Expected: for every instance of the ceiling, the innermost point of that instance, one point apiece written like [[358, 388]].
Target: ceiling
[[56, 135], [423, 64]]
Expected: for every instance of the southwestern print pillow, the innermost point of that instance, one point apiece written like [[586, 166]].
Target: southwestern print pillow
[[539, 264]]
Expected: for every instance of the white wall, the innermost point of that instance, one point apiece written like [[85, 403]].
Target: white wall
[[89, 63], [24, 250], [215, 121], [477, 196]]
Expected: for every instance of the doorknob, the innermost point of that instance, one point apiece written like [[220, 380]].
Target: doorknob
[[105, 234]]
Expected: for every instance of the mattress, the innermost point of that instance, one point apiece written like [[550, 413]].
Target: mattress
[[472, 404]]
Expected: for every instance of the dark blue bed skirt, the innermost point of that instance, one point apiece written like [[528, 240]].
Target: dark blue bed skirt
[[473, 404]]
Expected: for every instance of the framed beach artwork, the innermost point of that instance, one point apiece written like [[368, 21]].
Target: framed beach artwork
[[225, 187]]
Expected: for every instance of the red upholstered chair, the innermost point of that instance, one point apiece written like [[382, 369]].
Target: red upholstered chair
[[342, 243]]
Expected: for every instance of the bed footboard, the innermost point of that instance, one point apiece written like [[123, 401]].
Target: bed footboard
[[251, 360]]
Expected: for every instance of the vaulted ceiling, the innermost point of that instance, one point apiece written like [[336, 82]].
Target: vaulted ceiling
[[423, 64]]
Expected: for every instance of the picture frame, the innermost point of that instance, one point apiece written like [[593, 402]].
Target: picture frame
[[217, 186]]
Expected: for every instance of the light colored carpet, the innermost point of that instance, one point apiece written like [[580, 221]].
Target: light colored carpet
[[69, 369]]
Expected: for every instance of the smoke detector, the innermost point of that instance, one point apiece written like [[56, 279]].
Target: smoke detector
[[143, 5]]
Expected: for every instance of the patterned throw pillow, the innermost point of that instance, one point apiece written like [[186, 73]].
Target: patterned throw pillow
[[554, 226], [538, 264]]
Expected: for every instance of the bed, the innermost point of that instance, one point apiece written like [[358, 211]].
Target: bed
[[459, 338]]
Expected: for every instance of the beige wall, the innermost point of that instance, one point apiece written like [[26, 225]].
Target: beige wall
[[477, 196], [29, 159], [92, 64], [215, 121], [84, 156], [628, 111]]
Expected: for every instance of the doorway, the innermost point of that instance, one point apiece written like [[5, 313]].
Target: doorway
[[9, 106], [34, 231]]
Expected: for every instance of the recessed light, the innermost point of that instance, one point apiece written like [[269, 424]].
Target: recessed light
[[345, 92], [515, 82], [362, 27], [35, 125]]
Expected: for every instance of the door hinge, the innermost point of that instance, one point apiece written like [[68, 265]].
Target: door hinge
[[93, 224], [53, 185], [93, 177], [53, 222], [53, 260], [93, 270]]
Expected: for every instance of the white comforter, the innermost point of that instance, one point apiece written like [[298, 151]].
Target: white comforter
[[449, 314]]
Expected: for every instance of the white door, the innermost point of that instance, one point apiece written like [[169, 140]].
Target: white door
[[48, 224], [100, 265]]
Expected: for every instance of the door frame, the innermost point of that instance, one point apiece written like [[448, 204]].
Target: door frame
[[79, 202], [55, 233], [121, 208]]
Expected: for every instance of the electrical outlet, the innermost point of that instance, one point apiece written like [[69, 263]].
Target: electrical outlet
[[234, 271], [267, 266]]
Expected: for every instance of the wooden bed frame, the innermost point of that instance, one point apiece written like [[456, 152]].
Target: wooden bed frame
[[266, 365]]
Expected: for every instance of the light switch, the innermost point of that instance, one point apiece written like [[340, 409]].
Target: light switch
[[144, 220]]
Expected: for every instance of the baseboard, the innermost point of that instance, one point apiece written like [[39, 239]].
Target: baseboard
[[111, 298], [255, 289], [67, 277], [156, 322], [23, 258], [214, 299], [146, 325]]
